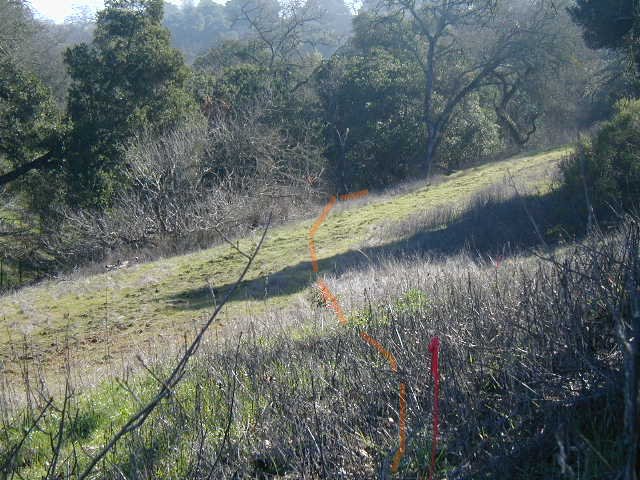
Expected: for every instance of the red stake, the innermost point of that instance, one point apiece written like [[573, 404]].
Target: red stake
[[434, 348]]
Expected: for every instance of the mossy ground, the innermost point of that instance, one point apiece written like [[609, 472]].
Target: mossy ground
[[115, 314]]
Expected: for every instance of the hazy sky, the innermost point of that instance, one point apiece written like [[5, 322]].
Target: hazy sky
[[58, 10]]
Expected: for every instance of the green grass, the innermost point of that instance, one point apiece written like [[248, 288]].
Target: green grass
[[283, 379], [113, 313]]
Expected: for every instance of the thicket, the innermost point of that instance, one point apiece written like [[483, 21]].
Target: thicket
[[537, 367], [604, 173], [134, 150]]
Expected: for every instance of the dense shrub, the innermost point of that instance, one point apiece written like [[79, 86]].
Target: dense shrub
[[192, 186], [606, 168], [374, 131], [473, 135], [372, 111]]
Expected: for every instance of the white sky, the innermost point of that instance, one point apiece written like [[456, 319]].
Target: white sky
[[58, 10]]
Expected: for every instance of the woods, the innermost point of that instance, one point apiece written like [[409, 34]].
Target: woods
[[335, 99]]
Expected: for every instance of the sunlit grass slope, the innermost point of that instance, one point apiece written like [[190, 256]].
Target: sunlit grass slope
[[114, 313]]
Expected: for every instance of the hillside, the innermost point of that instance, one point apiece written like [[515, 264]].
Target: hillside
[[523, 340], [292, 240], [112, 315]]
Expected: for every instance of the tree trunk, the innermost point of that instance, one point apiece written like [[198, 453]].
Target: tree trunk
[[342, 160], [432, 145], [432, 131], [40, 163], [629, 333], [518, 137]]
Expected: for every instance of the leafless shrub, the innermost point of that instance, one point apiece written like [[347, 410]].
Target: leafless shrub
[[533, 367], [262, 159], [537, 364], [530, 355], [201, 183], [65, 424]]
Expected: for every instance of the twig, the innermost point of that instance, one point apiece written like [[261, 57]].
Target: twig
[[51, 471], [14, 452], [233, 245], [227, 429], [138, 419], [319, 442]]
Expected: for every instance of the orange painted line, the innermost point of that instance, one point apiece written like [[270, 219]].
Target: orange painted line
[[354, 196], [314, 229], [332, 301], [323, 216], [403, 429], [314, 256], [383, 351]]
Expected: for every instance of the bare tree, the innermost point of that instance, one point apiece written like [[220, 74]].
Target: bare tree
[[203, 181], [459, 45], [283, 36], [524, 83]]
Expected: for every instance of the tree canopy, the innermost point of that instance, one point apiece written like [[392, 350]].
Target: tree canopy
[[127, 79], [30, 124], [308, 92], [610, 24]]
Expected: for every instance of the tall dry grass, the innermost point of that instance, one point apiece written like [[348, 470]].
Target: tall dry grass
[[537, 367]]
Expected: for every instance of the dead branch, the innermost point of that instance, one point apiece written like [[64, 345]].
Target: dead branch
[[139, 418]]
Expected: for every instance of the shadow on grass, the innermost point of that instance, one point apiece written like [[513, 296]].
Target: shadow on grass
[[490, 227]]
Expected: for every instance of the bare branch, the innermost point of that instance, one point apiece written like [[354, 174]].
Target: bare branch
[[139, 418]]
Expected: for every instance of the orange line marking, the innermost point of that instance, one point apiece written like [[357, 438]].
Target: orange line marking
[[331, 299], [383, 351], [314, 229], [403, 429], [354, 196], [334, 304]]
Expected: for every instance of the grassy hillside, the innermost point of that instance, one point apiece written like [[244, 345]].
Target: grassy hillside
[[110, 315], [530, 365]]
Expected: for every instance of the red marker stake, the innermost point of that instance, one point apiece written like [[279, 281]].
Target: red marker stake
[[434, 348]]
